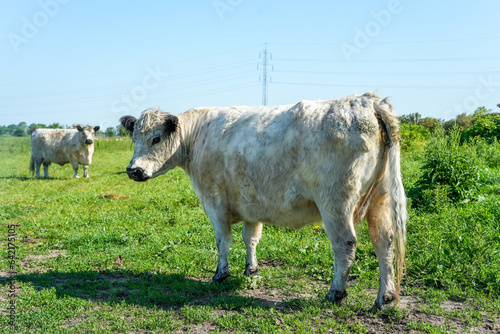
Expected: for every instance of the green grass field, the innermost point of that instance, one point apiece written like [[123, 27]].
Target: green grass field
[[109, 255]]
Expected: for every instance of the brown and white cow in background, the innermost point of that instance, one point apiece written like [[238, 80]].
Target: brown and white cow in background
[[62, 146], [337, 161]]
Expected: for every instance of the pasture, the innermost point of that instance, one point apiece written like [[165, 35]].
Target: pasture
[[109, 255]]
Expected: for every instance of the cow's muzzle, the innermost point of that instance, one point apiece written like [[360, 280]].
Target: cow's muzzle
[[88, 141], [137, 174]]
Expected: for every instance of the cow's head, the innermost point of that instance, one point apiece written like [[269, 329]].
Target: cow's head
[[87, 133], [157, 144]]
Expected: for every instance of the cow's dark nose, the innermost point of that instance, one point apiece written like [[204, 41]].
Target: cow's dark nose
[[88, 141], [137, 174]]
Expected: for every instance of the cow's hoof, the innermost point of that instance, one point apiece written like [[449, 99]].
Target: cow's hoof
[[389, 297], [336, 296], [375, 308], [219, 278], [251, 272]]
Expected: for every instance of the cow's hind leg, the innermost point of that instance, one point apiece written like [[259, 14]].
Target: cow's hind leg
[[251, 235], [340, 230], [38, 164], [223, 237], [45, 170], [381, 235]]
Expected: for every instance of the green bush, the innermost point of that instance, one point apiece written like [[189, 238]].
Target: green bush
[[489, 152], [451, 164], [413, 137], [436, 198], [487, 127]]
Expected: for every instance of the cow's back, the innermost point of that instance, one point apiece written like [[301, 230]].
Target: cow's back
[[53, 145], [272, 163]]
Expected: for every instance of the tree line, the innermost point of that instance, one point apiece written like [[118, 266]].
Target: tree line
[[482, 123], [23, 129]]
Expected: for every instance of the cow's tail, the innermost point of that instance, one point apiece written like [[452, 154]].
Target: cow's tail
[[397, 193]]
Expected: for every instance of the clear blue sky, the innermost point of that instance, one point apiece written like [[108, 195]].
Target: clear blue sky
[[93, 61]]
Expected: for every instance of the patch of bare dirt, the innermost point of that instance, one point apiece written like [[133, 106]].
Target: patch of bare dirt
[[32, 240], [206, 327], [45, 257], [113, 196], [263, 264], [31, 263], [268, 297], [410, 314]]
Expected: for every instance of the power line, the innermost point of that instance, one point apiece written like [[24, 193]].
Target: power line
[[372, 86], [409, 60], [128, 86], [387, 73], [395, 42], [98, 101]]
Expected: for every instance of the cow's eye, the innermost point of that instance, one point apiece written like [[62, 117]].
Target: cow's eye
[[156, 140]]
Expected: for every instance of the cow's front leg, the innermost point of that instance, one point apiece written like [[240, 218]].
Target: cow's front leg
[[75, 169], [85, 171], [251, 235], [37, 169], [223, 237]]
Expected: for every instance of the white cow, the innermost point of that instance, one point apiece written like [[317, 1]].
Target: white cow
[[337, 161], [74, 146]]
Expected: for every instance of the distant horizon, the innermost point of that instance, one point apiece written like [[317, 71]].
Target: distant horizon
[[67, 126]]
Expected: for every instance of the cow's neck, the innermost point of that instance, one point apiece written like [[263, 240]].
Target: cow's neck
[[188, 129]]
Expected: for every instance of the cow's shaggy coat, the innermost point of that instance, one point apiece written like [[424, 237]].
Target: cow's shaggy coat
[[62, 146], [337, 161]]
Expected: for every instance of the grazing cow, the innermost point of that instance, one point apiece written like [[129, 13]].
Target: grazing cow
[[337, 161], [74, 146]]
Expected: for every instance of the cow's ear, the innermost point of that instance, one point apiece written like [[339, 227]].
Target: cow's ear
[[128, 123], [96, 128], [171, 123], [79, 128]]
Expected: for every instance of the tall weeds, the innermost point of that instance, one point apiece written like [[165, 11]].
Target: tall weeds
[[450, 168]]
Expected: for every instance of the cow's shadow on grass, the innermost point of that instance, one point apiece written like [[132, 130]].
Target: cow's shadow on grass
[[13, 177], [31, 178], [165, 291]]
